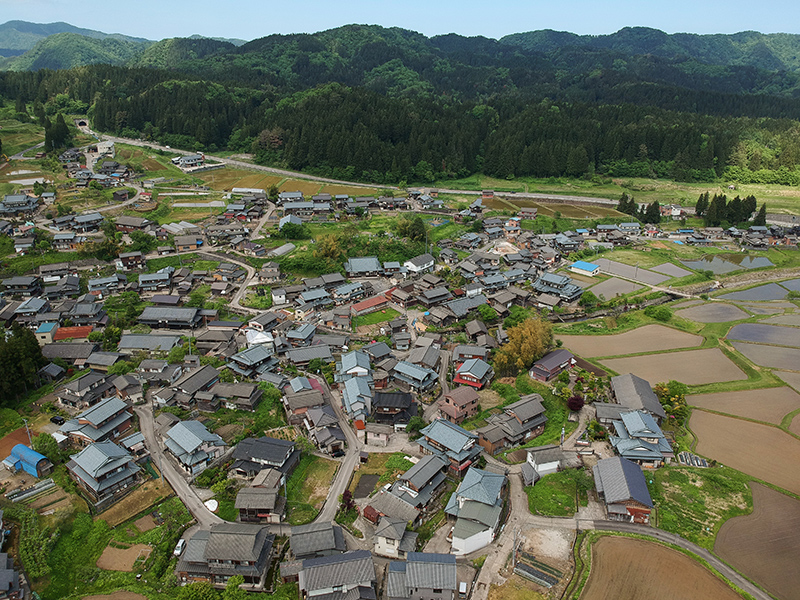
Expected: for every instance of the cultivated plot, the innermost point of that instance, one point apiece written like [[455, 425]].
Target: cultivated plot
[[629, 568], [765, 334], [692, 367], [792, 285], [610, 288], [629, 272], [712, 313], [671, 270], [650, 338], [792, 379], [794, 426], [790, 320], [770, 356], [758, 450], [761, 293], [769, 405], [764, 545]]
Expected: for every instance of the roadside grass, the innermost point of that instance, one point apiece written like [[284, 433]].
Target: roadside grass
[[515, 588], [694, 503], [381, 316], [307, 488], [555, 495]]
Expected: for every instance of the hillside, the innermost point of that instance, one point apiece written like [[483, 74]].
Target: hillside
[[68, 50], [169, 53], [773, 52], [16, 37]]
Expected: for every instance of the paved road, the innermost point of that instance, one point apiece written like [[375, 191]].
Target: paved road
[[349, 462], [19, 155], [204, 517]]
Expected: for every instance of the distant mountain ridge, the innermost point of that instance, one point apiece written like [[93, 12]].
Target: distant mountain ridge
[[769, 51], [17, 37]]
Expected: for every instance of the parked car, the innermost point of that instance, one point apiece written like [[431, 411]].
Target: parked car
[[180, 547], [57, 420]]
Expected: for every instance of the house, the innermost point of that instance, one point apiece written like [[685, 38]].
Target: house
[[393, 408], [635, 393], [302, 356], [477, 505], [411, 376], [18, 204], [22, 458], [185, 243], [227, 549], [105, 421], [25, 286], [45, 332], [377, 434], [152, 343], [357, 398], [585, 268], [528, 213], [316, 540], [73, 353], [450, 441], [551, 364], [301, 335], [423, 576], [10, 579], [392, 539], [170, 317], [369, 305], [348, 576], [367, 266], [459, 404], [103, 361], [558, 285], [238, 396], [130, 261], [622, 486], [104, 473], [519, 422], [639, 439], [88, 222], [474, 372], [420, 264], [193, 446], [541, 461], [128, 224], [462, 353], [253, 455], [297, 404], [422, 483], [85, 391], [253, 360], [260, 503]]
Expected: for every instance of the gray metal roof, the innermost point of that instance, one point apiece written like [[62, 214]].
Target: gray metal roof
[[634, 392], [238, 541], [481, 486], [476, 367], [365, 264], [150, 342], [190, 435], [619, 480], [103, 410], [431, 571], [422, 472], [527, 407], [100, 458], [300, 355], [316, 538], [348, 569], [449, 435]]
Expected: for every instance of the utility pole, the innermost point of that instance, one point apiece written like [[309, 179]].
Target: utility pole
[[30, 441]]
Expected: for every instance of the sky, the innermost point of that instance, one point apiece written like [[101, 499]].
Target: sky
[[250, 19]]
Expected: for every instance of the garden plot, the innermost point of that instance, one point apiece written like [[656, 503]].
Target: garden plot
[[123, 559], [759, 450], [712, 313], [776, 357], [761, 293], [610, 288], [769, 405], [629, 568], [629, 272], [765, 334], [650, 338], [790, 320], [764, 545], [671, 270], [692, 367]]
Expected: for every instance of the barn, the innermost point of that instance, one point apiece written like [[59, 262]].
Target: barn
[[24, 459]]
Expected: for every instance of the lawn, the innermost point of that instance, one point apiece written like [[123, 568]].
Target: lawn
[[374, 318], [694, 503], [554, 495], [307, 488]]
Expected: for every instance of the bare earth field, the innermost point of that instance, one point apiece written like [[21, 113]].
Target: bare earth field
[[758, 450], [693, 367], [611, 288], [794, 426], [629, 569], [712, 313], [650, 338], [770, 356], [791, 320], [671, 270], [764, 544], [628, 272], [117, 559], [769, 405]]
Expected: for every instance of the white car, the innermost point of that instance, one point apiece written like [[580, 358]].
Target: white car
[[180, 547]]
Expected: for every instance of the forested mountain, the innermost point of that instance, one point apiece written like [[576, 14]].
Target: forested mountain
[[67, 50], [388, 105], [773, 51], [16, 37]]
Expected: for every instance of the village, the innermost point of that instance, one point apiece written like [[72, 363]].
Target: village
[[360, 436]]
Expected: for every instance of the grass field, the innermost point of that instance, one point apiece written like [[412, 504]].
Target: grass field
[[555, 495], [19, 136], [307, 488], [380, 316], [385, 464]]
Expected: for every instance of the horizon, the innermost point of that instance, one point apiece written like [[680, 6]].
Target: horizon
[[151, 20]]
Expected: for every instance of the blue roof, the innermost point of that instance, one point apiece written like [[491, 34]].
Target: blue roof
[[46, 327], [586, 266]]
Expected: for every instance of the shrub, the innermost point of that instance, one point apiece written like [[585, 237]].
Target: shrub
[[575, 403]]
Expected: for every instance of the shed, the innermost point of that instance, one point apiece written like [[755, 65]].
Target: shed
[[23, 458]]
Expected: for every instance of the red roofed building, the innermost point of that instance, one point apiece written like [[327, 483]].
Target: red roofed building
[[72, 333], [369, 305]]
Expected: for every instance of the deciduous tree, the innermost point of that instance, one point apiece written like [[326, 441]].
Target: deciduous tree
[[527, 342]]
